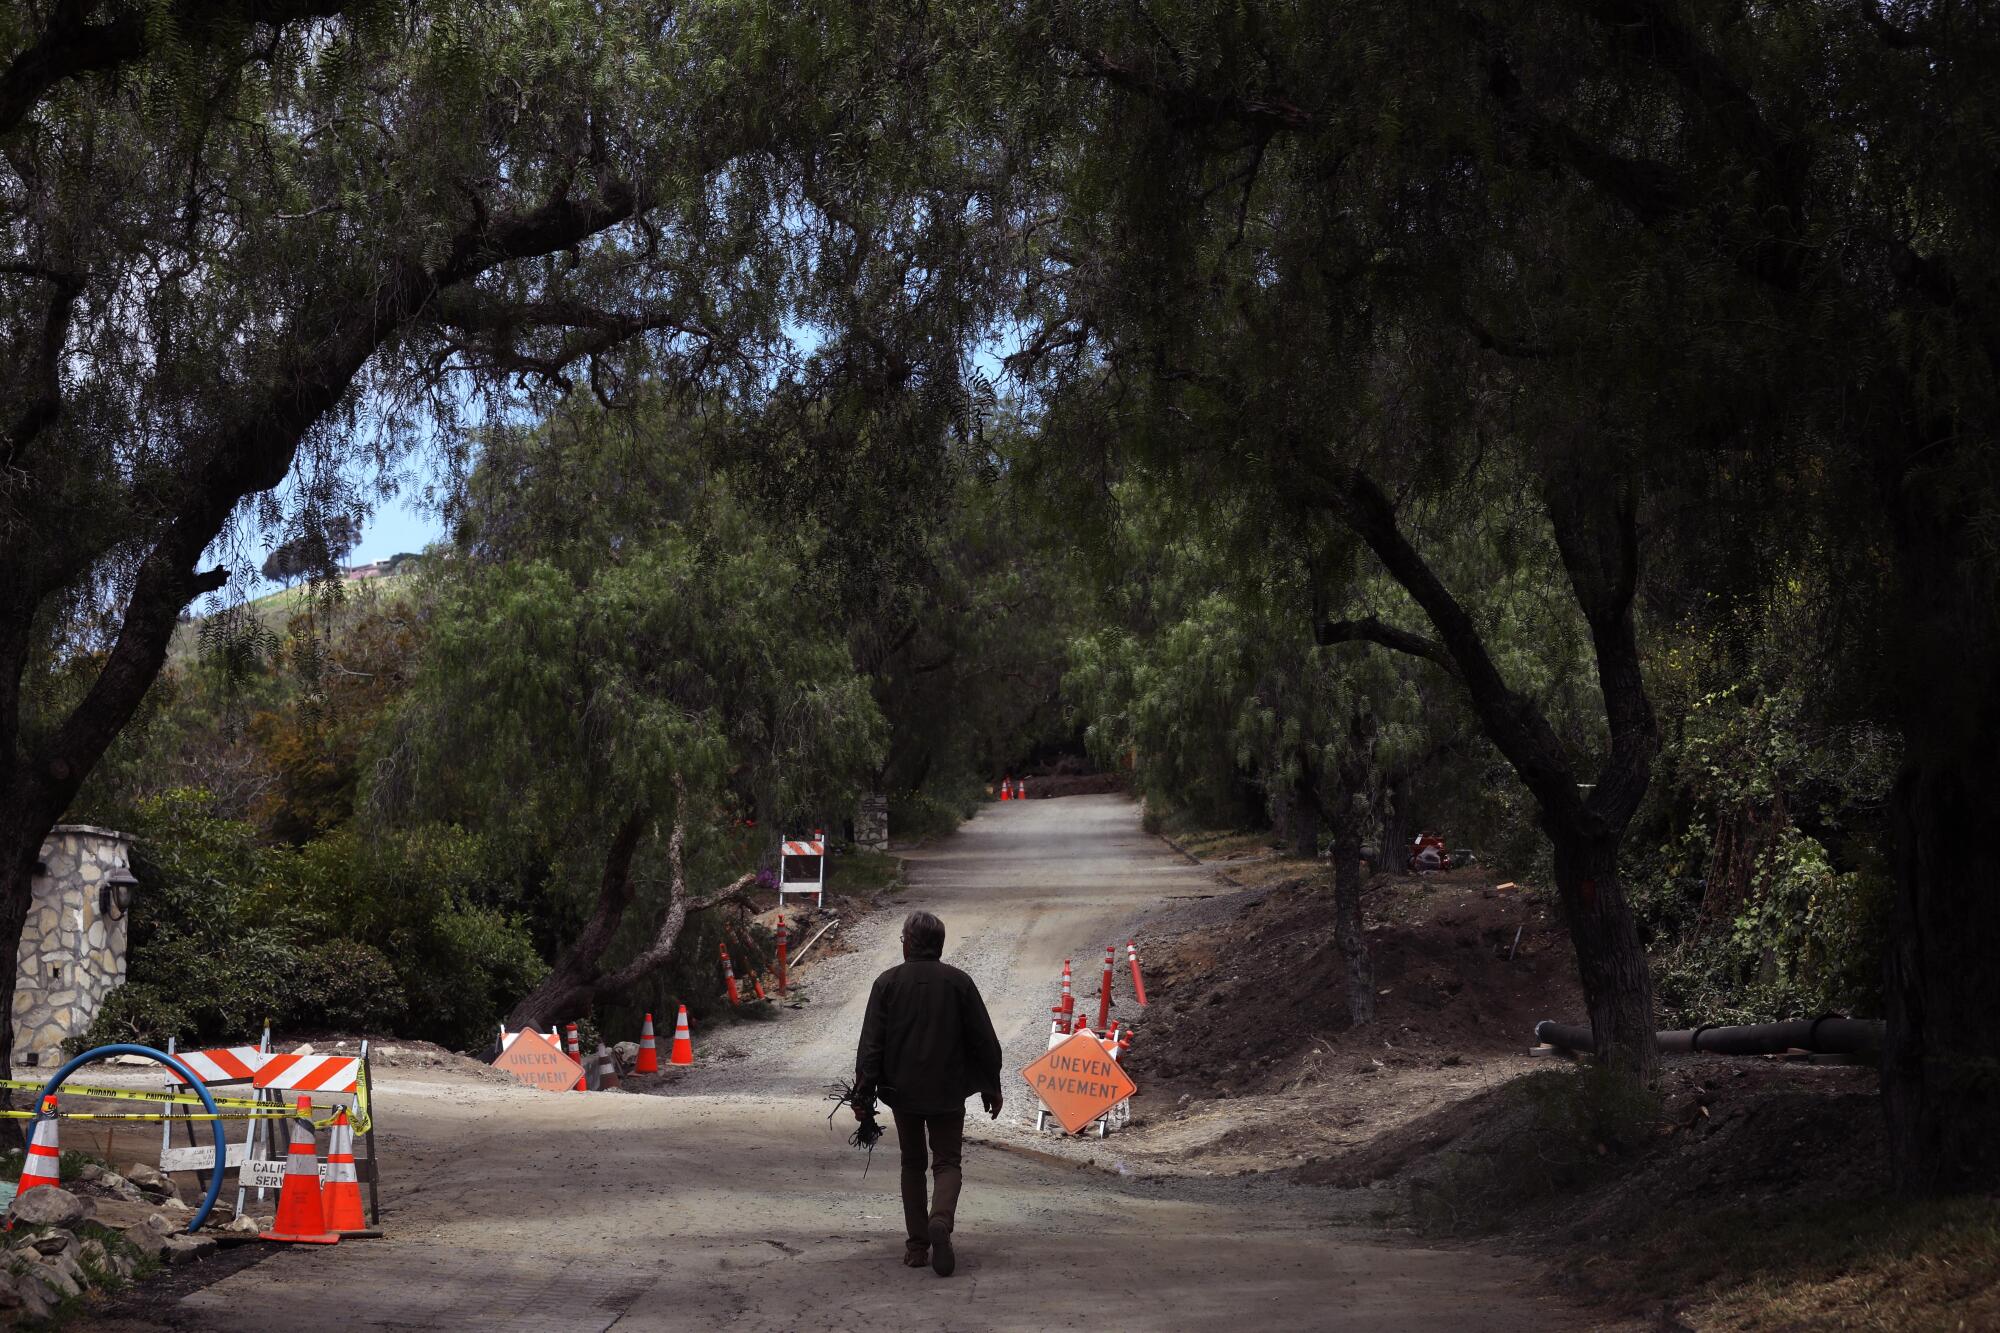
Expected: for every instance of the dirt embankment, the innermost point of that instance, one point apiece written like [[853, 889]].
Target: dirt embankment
[[1743, 1193], [1257, 1001]]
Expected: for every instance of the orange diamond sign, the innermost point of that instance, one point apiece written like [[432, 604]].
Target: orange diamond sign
[[530, 1058], [1079, 1081]]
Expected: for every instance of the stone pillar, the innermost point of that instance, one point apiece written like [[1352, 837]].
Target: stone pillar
[[871, 822], [72, 948]]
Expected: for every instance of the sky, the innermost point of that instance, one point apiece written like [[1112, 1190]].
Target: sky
[[394, 528]]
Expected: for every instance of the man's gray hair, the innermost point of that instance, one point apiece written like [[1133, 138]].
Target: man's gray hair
[[924, 934]]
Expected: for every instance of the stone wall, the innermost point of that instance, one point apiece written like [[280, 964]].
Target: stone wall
[[871, 822], [72, 953]]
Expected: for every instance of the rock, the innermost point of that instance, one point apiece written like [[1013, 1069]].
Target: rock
[[155, 1223], [10, 1293], [175, 1208], [627, 1053], [187, 1249], [38, 1292], [150, 1235], [48, 1206], [60, 1275], [152, 1181], [245, 1226], [303, 1048], [118, 1214], [110, 1182], [53, 1242], [149, 1243], [93, 1256]]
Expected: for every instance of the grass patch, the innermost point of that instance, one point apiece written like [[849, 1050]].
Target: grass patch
[[1893, 1265], [1208, 843], [861, 872], [68, 1167]]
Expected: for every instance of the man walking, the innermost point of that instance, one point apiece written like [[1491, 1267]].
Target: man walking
[[927, 1045]]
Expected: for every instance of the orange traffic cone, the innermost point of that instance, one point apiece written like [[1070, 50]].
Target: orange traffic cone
[[729, 976], [341, 1194], [43, 1165], [683, 1049], [649, 1050], [301, 1210]]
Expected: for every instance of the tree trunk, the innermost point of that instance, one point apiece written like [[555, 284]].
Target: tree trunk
[[1305, 819], [1395, 833], [1348, 934], [1941, 1058], [1617, 983], [566, 992], [20, 845], [1941, 991], [578, 978]]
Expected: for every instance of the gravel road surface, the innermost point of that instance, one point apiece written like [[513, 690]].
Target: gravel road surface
[[726, 1202]]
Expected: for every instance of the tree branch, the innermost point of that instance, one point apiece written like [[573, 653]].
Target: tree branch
[[1370, 629], [315, 372], [658, 953], [1596, 529], [1515, 723], [71, 46]]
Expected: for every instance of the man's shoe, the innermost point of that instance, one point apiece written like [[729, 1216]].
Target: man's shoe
[[917, 1256], [943, 1261]]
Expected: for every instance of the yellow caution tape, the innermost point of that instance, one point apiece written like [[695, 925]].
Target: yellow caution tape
[[360, 1126], [132, 1094]]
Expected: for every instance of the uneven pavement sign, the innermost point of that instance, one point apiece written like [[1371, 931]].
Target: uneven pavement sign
[[530, 1058], [1079, 1081]]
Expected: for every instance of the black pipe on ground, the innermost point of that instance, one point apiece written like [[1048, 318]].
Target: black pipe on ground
[[1822, 1036]]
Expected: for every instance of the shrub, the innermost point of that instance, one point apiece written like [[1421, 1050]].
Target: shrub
[[346, 985], [401, 932]]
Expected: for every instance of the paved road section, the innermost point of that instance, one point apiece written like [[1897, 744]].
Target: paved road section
[[730, 1204]]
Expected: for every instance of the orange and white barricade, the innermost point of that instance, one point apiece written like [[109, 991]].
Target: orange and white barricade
[[802, 868], [332, 1080]]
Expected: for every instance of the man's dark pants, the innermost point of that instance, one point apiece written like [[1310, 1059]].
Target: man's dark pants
[[944, 1138]]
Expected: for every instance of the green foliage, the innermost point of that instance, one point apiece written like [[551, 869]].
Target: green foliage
[[395, 932], [1754, 916], [203, 963], [348, 986], [930, 813], [433, 901], [1808, 943]]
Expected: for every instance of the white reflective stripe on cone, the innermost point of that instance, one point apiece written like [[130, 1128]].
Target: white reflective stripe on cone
[[300, 1158]]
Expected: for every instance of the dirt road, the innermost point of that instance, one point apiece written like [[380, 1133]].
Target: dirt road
[[728, 1203]]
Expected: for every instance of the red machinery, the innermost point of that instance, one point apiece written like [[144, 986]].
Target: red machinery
[[1428, 853]]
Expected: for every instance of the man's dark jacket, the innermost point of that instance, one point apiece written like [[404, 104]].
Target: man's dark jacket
[[926, 1043]]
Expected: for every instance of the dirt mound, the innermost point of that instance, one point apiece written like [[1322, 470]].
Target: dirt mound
[[394, 1053], [1256, 1002], [1557, 1149]]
